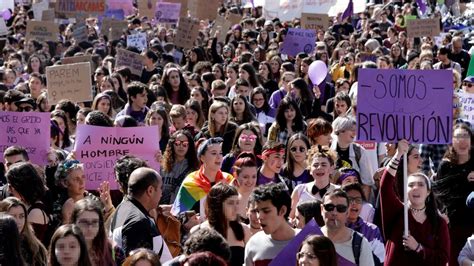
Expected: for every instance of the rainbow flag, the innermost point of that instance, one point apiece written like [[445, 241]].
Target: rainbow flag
[[195, 187]]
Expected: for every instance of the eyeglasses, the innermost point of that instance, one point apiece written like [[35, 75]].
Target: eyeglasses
[[300, 149], [245, 137], [88, 223], [183, 144], [357, 200], [310, 256], [469, 85], [462, 136], [341, 208], [25, 109]]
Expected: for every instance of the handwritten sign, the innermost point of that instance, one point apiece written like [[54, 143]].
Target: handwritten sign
[[48, 15], [30, 130], [131, 60], [222, 25], [112, 28], [314, 21], [71, 81], [466, 101], [188, 30], [415, 105], [167, 12], [122, 7], [146, 8], [98, 148], [233, 18], [184, 6], [137, 40], [204, 9], [299, 40], [80, 32], [423, 27], [42, 31], [70, 8], [79, 59]]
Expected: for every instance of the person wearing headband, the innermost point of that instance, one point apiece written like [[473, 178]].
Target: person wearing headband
[[273, 155]]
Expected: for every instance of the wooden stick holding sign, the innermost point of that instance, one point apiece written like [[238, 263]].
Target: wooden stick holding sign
[[405, 195]]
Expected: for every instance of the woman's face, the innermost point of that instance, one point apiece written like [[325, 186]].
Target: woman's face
[[264, 35], [156, 120], [76, 182], [192, 57], [350, 180], [181, 145], [320, 168], [231, 73], [300, 221], [307, 257], [217, 72], [174, 80], [212, 158], [247, 140], [196, 95], [355, 204], [88, 222], [191, 116], [324, 140], [103, 105], [396, 51], [414, 161], [61, 123], [231, 208], [220, 116], [238, 105], [263, 70], [461, 142], [247, 179], [298, 150], [106, 85], [304, 68], [19, 215], [417, 191], [243, 74], [258, 100], [290, 114], [67, 250], [45, 105], [116, 83], [275, 66], [80, 118], [10, 77], [340, 107], [401, 37], [35, 64]]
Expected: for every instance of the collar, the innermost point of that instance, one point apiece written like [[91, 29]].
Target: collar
[[322, 191], [138, 205]]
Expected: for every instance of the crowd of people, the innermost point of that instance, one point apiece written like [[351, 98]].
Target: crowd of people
[[251, 150]]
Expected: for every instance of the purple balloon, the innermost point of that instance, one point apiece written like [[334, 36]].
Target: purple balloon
[[6, 14], [317, 72]]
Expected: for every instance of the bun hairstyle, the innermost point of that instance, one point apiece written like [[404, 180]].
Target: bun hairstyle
[[245, 159]]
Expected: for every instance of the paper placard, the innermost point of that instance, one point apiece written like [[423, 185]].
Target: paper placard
[[98, 148], [48, 15], [222, 25], [79, 59], [131, 60], [42, 31], [122, 8], [38, 9], [80, 32], [466, 102], [72, 81], [188, 30], [314, 21], [416, 105], [233, 18], [146, 8], [71, 8], [167, 12], [204, 9], [423, 27], [299, 40], [137, 40], [30, 130]]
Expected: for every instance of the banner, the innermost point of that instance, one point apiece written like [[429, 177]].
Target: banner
[[42, 31], [416, 105], [71, 8], [287, 10], [30, 130], [71, 82], [188, 30], [423, 27], [314, 21], [299, 40], [137, 40], [167, 12], [466, 101], [98, 148], [131, 60]]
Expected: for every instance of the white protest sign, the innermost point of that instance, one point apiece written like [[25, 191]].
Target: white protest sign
[[287, 10], [466, 102], [137, 40]]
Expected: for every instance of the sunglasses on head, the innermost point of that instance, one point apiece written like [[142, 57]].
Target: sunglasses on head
[[339, 208]]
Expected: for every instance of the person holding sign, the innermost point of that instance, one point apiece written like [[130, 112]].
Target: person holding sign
[[428, 240]]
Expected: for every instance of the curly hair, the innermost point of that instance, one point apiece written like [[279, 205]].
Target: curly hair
[[320, 151], [207, 239], [169, 157]]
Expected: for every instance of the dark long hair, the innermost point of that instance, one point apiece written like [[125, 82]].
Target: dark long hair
[[258, 143], [215, 210], [451, 154], [63, 231], [431, 206], [10, 251], [298, 122], [260, 90], [183, 91], [289, 167], [169, 157], [247, 116], [323, 248], [253, 80], [61, 114]]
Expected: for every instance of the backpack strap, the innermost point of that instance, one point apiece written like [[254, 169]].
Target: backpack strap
[[358, 153], [356, 246]]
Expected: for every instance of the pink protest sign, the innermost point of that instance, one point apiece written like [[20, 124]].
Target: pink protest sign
[[30, 130], [98, 148]]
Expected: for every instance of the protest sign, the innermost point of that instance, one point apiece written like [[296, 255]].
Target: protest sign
[[48, 15], [38, 9], [233, 18], [79, 59], [314, 21], [80, 32], [3, 28], [42, 31], [466, 102], [112, 28], [71, 82], [415, 105], [287, 10], [188, 30], [137, 40], [5, 4], [204, 9], [118, 9], [146, 8], [368, 57], [131, 60], [222, 25], [30, 130], [423, 27], [184, 6], [299, 40], [167, 12], [71, 8], [470, 69], [98, 148]]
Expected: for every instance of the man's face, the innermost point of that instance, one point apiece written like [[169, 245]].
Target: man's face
[[10, 160], [178, 122], [269, 217], [457, 47], [140, 100], [275, 161], [335, 212]]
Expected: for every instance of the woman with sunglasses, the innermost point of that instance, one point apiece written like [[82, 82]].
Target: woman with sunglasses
[[321, 162], [195, 187], [179, 160], [468, 84], [428, 241], [295, 169], [248, 138]]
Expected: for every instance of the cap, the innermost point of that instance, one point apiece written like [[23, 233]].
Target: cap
[[469, 79], [268, 23], [27, 100]]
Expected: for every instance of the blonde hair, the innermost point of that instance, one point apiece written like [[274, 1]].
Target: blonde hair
[[216, 105]]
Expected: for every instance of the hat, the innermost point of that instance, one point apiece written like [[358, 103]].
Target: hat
[[268, 23], [27, 100], [412, 56], [205, 144], [237, 27], [469, 79]]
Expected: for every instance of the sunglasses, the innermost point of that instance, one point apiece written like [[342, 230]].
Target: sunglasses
[[341, 208], [25, 109], [183, 144], [300, 149], [469, 85], [245, 137]]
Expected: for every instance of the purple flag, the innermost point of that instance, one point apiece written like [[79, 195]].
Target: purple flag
[[422, 6], [349, 10], [253, 4]]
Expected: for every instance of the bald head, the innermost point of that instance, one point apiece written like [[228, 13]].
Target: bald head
[[141, 179]]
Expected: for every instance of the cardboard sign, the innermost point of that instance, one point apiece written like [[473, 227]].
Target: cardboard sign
[[222, 25], [38, 9], [48, 15], [71, 82], [79, 59], [146, 8], [30, 130], [80, 32], [466, 101], [204, 9], [70, 8], [423, 27], [137, 40], [42, 31], [314, 21], [188, 30], [131, 60], [167, 12], [113, 29], [299, 40], [98, 148], [233, 18], [416, 105]]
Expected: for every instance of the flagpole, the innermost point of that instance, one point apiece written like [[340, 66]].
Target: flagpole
[[405, 195]]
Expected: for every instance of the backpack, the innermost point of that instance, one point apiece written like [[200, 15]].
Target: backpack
[[357, 152], [357, 247]]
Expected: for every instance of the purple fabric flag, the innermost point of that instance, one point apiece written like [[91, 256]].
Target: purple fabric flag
[[288, 255], [422, 6], [349, 10], [253, 4]]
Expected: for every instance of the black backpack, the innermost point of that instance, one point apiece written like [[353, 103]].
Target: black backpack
[[357, 247]]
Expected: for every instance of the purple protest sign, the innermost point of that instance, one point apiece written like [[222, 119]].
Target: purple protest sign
[[167, 12], [119, 7], [30, 130], [98, 148], [415, 105], [299, 40]]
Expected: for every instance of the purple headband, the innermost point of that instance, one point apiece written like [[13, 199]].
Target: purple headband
[[346, 174]]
